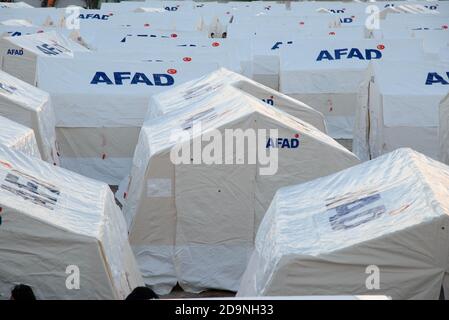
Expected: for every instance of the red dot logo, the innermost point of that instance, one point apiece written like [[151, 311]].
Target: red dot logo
[[171, 71], [174, 35], [380, 47], [40, 31], [187, 59], [301, 23], [296, 135], [111, 14], [445, 26], [146, 25], [332, 33], [215, 44]]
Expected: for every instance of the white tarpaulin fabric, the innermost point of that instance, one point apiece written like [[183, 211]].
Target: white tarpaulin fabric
[[183, 56], [100, 106], [18, 137], [192, 91], [14, 5], [398, 107], [267, 49], [326, 236], [19, 55], [326, 75], [31, 107], [443, 129], [37, 16], [109, 38], [16, 22], [53, 220], [237, 52], [15, 31], [195, 223]]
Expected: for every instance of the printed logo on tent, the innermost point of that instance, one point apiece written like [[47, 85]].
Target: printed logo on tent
[[278, 44], [199, 90], [94, 16], [347, 19], [133, 78], [342, 10], [436, 78], [15, 52], [355, 213], [175, 8], [31, 189], [15, 33], [269, 100], [283, 143], [186, 59], [9, 89], [351, 53], [215, 44], [52, 49]]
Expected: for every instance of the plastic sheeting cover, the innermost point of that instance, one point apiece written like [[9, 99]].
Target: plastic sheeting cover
[[18, 137], [318, 238], [196, 223], [52, 219]]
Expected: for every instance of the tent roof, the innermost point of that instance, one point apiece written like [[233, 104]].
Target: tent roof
[[197, 89], [222, 106], [22, 93], [12, 132], [32, 42], [80, 201], [412, 188], [404, 78]]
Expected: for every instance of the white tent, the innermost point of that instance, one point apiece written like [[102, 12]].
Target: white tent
[[19, 55], [15, 31], [443, 130], [280, 25], [238, 53], [18, 137], [194, 223], [56, 223], [16, 22], [267, 49], [398, 107], [444, 53], [326, 75], [400, 25], [100, 106], [387, 217], [109, 38], [186, 94], [31, 107], [14, 5]]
